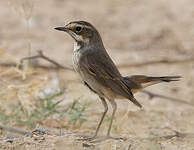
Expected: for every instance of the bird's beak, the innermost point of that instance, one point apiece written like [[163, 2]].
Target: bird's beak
[[61, 29]]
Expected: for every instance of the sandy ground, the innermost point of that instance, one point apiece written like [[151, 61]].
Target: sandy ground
[[134, 31]]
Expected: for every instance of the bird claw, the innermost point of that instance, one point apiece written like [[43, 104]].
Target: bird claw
[[87, 138], [117, 138], [95, 139]]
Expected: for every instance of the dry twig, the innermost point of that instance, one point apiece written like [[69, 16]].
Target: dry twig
[[15, 130], [153, 95], [59, 66], [177, 135], [156, 62], [41, 55]]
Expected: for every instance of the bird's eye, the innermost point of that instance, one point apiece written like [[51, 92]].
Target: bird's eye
[[78, 29]]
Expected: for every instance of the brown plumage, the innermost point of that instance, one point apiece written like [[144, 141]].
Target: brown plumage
[[98, 71]]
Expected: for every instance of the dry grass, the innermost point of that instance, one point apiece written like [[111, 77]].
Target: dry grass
[[31, 101], [24, 8]]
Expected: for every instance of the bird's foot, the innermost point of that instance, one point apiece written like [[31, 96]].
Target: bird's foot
[[87, 137], [104, 138], [116, 138], [97, 139]]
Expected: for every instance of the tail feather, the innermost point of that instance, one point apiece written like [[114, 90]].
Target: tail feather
[[165, 78], [138, 82]]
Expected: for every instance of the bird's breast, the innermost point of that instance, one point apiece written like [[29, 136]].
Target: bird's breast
[[78, 62], [79, 55], [75, 60]]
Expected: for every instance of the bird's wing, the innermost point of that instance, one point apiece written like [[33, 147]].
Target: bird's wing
[[102, 68]]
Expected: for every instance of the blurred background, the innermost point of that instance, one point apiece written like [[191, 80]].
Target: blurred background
[[143, 37]]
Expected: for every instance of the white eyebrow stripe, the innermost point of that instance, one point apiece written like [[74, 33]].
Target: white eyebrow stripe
[[82, 25]]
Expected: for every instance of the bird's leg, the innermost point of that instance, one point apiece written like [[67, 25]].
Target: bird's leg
[[101, 120], [103, 115], [114, 107]]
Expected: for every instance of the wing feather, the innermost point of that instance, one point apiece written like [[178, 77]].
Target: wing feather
[[102, 68]]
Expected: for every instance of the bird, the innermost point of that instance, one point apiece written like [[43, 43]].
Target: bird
[[100, 74]]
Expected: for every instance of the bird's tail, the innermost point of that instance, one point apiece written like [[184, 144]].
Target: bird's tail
[[137, 82]]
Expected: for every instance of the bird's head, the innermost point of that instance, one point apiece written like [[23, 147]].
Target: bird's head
[[82, 32]]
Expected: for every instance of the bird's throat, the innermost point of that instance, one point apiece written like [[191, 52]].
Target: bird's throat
[[77, 46]]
